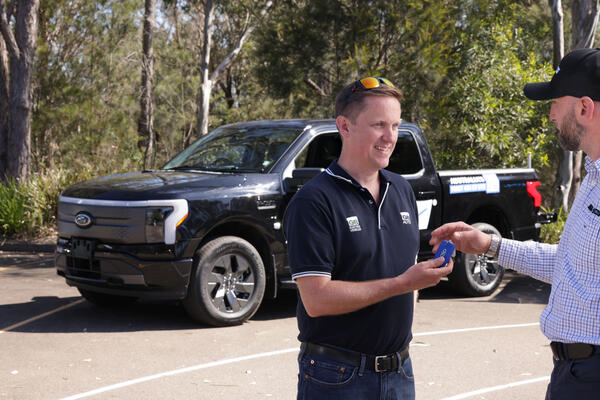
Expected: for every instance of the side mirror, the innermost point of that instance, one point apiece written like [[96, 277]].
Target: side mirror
[[299, 178]]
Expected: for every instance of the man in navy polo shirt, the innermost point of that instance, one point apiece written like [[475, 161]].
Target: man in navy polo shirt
[[352, 241]]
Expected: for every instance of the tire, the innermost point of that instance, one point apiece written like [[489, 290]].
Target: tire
[[106, 300], [476, 275], [228, 282]]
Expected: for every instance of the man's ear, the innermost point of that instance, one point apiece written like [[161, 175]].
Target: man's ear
[[587, 107], [342, 125]]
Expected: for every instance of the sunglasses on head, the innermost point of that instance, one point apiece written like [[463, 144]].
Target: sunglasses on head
[[370, 83]]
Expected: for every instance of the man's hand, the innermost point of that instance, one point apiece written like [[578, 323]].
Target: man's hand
[[466, 238], [425, 274]]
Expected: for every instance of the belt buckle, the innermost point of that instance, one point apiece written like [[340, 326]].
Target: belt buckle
[[377, 358]]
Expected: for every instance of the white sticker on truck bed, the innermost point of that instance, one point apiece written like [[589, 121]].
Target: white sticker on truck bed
[[488, 183], [492, 183]]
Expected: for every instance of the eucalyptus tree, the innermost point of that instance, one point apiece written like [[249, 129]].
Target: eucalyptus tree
[[249, 23], [86, 98], [145, 122], [3, 106], [584, 16], [20, 41]]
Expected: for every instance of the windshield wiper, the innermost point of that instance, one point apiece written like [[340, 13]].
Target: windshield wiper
[[222, 169], [182, 168]]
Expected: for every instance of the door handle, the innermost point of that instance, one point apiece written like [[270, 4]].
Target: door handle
[[427, 194]]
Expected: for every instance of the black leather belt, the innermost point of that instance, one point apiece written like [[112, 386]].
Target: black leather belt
[[572, 351], [384, 363]]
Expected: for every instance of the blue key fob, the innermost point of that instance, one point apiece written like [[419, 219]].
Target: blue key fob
[[445, 250]]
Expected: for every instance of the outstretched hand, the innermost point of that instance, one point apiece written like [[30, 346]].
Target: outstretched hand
[[466, 238]]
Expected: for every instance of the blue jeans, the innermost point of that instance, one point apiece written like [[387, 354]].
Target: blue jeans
[[575, 379], [320, 378]]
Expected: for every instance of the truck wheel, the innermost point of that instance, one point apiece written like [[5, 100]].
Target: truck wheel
[[106, 300], [476, 274], [228, 282]]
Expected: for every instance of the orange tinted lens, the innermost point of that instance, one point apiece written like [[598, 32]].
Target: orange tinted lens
[[369, 83], [387, 82]]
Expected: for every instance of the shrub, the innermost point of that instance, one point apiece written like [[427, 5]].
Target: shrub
[[14, 212], [30, 208], [551, 233]]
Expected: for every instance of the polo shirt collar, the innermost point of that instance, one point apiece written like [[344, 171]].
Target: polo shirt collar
[[336, 170]]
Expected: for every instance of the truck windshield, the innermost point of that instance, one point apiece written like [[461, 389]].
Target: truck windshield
[[227, 149]]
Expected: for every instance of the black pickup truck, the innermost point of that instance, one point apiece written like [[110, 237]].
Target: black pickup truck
[[206, 227]]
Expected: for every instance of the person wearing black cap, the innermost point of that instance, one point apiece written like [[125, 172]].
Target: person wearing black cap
[[571, 320], [353, 238]]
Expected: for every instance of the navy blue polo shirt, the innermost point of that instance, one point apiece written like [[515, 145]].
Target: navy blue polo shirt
[[334, 228]]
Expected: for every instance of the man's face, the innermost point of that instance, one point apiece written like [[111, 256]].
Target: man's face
[[374, 132], [570, 132]]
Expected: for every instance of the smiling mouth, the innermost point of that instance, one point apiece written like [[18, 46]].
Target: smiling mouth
[[382, 148]]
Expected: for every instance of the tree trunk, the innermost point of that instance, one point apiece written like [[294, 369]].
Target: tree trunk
[[3, 107], [562, 185], [564, 174], [21, 49], [585, 21], [206, 87], [145, 124], [208, 82], [558, 35], [576, 182]]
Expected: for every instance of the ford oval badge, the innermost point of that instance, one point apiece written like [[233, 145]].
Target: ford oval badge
[[83, 220]]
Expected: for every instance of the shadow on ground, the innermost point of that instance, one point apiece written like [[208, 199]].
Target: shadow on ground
[[515, 288], [139, 316]]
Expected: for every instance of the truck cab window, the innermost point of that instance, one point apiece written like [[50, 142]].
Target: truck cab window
[[322, 151], [325, 148], [405, 159]]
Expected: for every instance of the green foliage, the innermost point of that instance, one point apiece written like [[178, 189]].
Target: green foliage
[[85, 98], [30, 208], [316, 47], [13, 211], [551, 233], [461, 65], [482, 119]]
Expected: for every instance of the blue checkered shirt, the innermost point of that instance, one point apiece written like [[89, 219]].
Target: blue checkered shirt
[[572, 267]]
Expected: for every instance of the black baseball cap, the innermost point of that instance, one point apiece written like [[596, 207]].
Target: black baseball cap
[[577, 75]]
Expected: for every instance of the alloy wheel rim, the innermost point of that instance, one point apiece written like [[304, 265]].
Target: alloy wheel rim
[[230, 283]]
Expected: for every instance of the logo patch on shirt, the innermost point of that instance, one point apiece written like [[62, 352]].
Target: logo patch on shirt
[[594, 210], [405, 217], [353, 224]]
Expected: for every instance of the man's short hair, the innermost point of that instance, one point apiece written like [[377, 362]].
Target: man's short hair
[[350, 99]]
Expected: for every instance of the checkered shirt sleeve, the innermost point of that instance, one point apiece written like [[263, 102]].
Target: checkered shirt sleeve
[[572, 267], [531, 258]]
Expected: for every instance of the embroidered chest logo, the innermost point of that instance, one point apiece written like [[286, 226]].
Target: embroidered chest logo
[[594, 210], [353, 224], [405, 217]]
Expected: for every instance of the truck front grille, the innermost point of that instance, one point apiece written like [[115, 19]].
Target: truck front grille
[[83, 268]]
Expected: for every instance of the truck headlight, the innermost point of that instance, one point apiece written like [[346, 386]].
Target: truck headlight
[[155, 223]]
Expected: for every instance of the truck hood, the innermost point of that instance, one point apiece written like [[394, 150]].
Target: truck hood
[[153, 185]]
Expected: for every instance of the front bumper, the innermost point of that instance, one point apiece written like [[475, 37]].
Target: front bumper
[[103, 268]]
